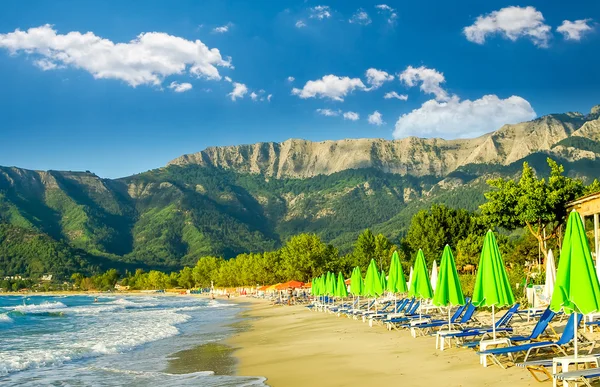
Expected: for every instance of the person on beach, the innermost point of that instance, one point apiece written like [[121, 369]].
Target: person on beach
[[290, 292]]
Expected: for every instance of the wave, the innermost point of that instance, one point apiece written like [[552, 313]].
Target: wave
[[111, 333], [4, 318], [44, 307]]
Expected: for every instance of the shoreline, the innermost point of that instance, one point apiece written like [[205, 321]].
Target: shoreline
[[294, 347]]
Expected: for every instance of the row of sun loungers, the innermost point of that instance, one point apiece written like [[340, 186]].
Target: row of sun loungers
[[468, 332]]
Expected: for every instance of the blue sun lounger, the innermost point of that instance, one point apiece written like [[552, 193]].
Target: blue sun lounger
[[565, 339], [539, 328], [580, 376], [382, 314], [501, 326]]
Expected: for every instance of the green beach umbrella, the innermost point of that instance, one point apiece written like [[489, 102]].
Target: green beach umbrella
[[341, 290], [420, 285], [330, 284], [373, 281], [448, 291], [396, 281], [576, 289], [357, 284], [383, 281], [491, 286]]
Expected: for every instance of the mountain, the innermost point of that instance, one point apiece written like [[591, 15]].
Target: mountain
[[229, 200]]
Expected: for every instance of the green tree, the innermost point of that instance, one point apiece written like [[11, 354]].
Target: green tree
[[430, 230], [364, 249], [186, 278], [537, 204], [305, 256], [206, 270]]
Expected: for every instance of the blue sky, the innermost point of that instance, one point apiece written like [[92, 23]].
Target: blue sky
[[116, 102]]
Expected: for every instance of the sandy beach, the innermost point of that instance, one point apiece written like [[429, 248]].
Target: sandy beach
[[292, 346]]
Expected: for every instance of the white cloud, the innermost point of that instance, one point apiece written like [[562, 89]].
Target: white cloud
[[222, 29], [320, 12], [228, 79], [574, 30], [384, 7], [512, 23], [291, 79], [430, 80], [253, 96], [269, 97], [180, 87], [376, 78], [463, 119], [389, 11], [300, 24], [329, 112], [46, 64], [330, 86], [239, 91], [376, 118], [352, 116], [393, 94], [145, 60], [360, 17]]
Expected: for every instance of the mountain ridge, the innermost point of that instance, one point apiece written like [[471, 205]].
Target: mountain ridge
[[298, 158], [248, 198]]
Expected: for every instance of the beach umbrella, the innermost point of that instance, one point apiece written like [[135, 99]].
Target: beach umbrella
[[434, 275], [410, 276], [576, 289], [420, 285], [448, 291], [396, 282], [550, 275], [357, 284], [491, 286], [383, 281], [341, 290], [373, 281]]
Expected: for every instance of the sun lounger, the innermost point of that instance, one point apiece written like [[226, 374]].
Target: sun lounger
[[579, 376], [381, 315], [536, 332], [501, 326], [557, 346], [427, 327]]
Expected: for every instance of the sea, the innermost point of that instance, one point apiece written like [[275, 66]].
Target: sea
[[117, 341]]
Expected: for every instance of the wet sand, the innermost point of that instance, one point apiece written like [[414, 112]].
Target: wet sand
[[216, 357], [292, 346]]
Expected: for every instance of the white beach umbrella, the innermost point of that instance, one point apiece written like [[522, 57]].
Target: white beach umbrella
[[551, 274], [410, 277], [434, 275]]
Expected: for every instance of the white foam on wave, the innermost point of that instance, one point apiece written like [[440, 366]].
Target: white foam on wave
[[108, 333], [4, 318], [44, 307]]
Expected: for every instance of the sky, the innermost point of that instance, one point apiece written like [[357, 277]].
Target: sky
[[119, 88]]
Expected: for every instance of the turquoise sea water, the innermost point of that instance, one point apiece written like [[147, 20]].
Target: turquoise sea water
[[74, 341]]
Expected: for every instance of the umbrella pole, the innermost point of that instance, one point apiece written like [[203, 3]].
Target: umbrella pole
[[420, 310], [449, 321], [493, 323], [575, 333]]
